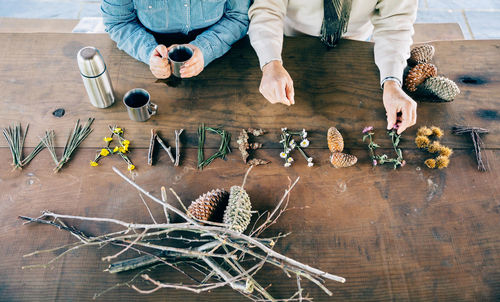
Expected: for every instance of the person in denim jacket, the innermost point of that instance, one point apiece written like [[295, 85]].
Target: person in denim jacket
[[209, 27]]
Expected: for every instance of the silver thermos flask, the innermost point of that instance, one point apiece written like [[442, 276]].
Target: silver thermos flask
[[95, 77]]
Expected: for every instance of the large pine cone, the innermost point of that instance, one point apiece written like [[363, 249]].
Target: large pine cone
[[422, 54], [239, 210], [208, 206], [335, 140], [342, 160], [418, 74], [442, 87]]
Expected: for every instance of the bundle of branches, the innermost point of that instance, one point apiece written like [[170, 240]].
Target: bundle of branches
[[220, 255]]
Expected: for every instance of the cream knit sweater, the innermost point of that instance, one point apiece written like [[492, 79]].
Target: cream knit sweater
[[389, 21]]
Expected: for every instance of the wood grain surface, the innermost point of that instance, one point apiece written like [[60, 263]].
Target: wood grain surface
[[409, 234], [336, 87]]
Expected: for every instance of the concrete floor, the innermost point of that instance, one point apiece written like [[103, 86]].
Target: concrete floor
[[479, 19]]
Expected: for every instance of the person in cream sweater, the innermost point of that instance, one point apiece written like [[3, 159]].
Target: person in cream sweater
[[388, 22]]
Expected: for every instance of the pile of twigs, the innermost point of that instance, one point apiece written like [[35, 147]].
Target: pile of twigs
[[220, 256]]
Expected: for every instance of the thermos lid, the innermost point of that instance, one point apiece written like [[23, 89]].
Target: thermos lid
[[90, 62]]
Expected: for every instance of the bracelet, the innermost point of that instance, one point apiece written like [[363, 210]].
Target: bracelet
[[390, 79]]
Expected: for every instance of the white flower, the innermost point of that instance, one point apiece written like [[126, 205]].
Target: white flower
[[282, 141], [287, 134], [283, 129], [304, 133], [304, 143], [292, 142], [287, 150], [293, 146], [310, 160], [290, 159], [310, 164], [283, 155], [287, 165]]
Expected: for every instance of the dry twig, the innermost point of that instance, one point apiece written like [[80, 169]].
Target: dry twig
[[211, 249]]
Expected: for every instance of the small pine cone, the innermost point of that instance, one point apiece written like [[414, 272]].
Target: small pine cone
[[422, 54], [442, 87], [418, 74], [206, 206], [335, 140], [342, 160], [238, 212]]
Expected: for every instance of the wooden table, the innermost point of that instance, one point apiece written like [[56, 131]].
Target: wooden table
[[409, 234]]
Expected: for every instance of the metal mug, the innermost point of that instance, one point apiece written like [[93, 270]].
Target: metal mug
[[178, 55], [139, 105]]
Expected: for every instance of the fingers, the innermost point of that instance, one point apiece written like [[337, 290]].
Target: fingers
[[162, 50], [281, 95], [192, 67], [191, 71], [158, 62], [173, 45], [290, 93], [159, 67], [409, 117], [279, 91], [392, 116], [161, 73]]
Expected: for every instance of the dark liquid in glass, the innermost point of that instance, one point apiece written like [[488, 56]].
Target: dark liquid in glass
[[180, 55], [136, 99]]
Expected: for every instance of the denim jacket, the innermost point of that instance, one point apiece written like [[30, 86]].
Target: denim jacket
[[126, 22]]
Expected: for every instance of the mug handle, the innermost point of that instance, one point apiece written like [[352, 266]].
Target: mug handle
[[153, 108]]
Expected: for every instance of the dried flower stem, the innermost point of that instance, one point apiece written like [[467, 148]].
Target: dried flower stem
[[384, 158], [177, 146]]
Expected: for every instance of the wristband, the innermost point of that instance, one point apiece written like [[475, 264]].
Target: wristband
[[390, 79]]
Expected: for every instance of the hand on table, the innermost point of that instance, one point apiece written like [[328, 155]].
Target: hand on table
[[401, 109], [158, 62], [193, 66], [276, 84]]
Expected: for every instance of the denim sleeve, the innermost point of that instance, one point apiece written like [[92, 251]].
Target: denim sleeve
[[218, 38], [121, 23]]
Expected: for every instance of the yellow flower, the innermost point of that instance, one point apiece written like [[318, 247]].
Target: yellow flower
[[108, 139], [434, 147], [424, 131], [104, 152], [130, 167], [126, 142], [117, 130], [442, 162], [445, 151], [437, 131], [122, 150], [422, 141], [93, 163], [125, 148], [431, 163], [116, 149]]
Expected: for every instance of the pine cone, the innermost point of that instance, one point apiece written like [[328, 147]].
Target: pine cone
[[418, 74], [335, 140], [206, 206], [422, 54], [442, 87], [342, 160], [238, 211]]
